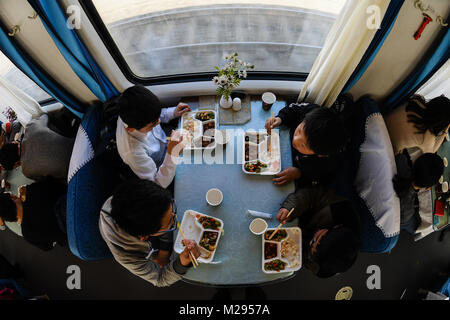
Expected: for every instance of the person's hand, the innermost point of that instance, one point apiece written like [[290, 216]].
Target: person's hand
[[272, 123], [163, 258], [176, 144], [181, 109], [282, 216], [191, 246], [287, 175]]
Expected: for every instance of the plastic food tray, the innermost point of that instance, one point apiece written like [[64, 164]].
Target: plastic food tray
[[258, 152], [199, 136], [193, 230], [292, 233]]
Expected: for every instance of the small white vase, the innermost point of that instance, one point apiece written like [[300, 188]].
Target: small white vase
[[237, 104], [225, 103]]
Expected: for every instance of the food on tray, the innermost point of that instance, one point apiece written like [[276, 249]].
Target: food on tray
[[206, 142], [251, 152], [280, 235], [209, 223], [275, 265], [205, 254], [205, 115], [254, 137], [209, 240], [270, 250], [209, 128], [290, 251], [254, 167]]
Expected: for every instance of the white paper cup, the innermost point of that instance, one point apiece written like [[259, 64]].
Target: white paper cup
[[268, 99], [258, 226], [214, 197]]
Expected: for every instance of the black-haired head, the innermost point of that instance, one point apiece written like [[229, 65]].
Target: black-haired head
[[139, 107], [138, 207]]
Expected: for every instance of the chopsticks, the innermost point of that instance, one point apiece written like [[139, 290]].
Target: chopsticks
[[191, 255], [269, 141], [279, 226]]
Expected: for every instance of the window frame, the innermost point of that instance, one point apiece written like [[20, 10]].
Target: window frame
[[103, 32]]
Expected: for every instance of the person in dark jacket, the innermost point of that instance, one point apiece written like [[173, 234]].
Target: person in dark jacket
[[36, 211], [319, 135], [409, 180], [330, 229]]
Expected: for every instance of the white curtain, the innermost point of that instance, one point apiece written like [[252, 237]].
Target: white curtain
[[344, 47], [23, 105], [438, 84]]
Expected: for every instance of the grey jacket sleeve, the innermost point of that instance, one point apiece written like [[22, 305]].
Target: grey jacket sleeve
[[307, 200], [151, 271]]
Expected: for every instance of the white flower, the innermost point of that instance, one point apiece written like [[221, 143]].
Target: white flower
[[215, 80], [223, 80], [244, 73]]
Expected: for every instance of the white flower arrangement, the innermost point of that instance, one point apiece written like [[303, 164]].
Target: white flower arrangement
[[231, 74]]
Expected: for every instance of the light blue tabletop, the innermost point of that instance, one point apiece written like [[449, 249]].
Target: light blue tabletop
[[238, 258]]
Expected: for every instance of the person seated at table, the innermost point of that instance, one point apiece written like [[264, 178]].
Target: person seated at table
[[41, 153], [9, 132], [137, 224], [409, 180], [418, 123], [40, 210], [141, 142], [318, 136], [330, 229]]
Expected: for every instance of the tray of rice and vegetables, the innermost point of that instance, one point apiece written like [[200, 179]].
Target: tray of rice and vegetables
[[203, 229], [199, 128], [261, 153], [282, 253]]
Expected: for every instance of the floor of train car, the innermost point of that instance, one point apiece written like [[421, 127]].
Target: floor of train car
[[410, 265]]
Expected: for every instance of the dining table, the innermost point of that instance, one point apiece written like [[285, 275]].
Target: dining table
[[238, 256]]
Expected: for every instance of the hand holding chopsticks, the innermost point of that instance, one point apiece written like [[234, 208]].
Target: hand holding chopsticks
[[280, 225], [191, 255]]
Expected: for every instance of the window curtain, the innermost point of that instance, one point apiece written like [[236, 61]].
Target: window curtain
[[27, 65], [344, 47], [434, 59], [23, 105], [76, 54], [386, 26], [438, 84]]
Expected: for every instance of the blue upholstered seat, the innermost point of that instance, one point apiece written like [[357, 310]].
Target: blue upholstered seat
[[373, 239], [91, 182]]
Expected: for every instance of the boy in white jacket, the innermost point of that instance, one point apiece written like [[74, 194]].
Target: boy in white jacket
[[141, 142]]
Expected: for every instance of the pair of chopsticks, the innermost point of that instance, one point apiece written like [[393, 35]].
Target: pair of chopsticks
[[191, 255], [269, 141], [280, 225]]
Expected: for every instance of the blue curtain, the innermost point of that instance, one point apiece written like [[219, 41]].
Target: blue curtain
[[437, 56], [73, 50], [386, 26], [27, 65]]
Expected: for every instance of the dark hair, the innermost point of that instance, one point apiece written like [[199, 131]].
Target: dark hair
[[8, 210], [139, 107], [325, 131], [435, 117], [337, 251], [9, 155], [426, 171], [138, 206]]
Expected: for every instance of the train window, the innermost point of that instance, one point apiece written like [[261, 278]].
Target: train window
[[169, 38], [15, 76]]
